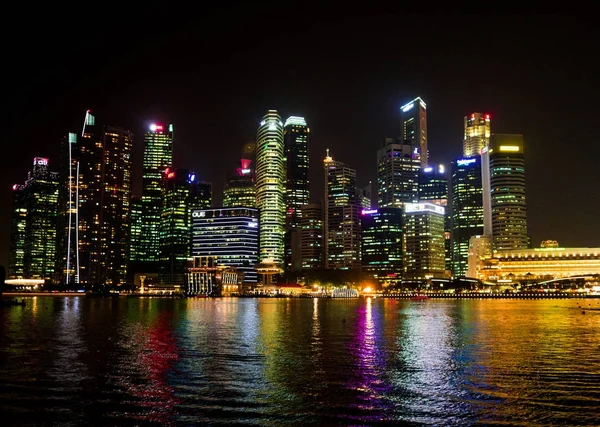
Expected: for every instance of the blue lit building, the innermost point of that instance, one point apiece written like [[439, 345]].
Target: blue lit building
[[229, 234]]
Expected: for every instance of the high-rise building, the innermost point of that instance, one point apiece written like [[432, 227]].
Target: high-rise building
[[135, 232], [34, 221], [398, 166], [480, 249], [158, 156], [179, 198], [342, 222], [433, 188], [311, 236], [239, 189], [467, 210], [96, 193], [423, 244], [414, 127], [297, 192], [270, 187], [229, 234], [477, 134], [382, 244], [508, 201]]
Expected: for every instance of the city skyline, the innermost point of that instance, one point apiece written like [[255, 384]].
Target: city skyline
[[350, 116]]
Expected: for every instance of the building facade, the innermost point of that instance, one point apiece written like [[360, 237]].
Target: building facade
[[158, 157], [423, 243], [382, 244], [205, 277], [414, 127], [229, 234], [297, 191], [508, 199], [239, 189], [180, 197], [34, 224], [433, 188], [398, 166], [467, 210], [311, 236], [270, 187], [341, 216], [477, 134]]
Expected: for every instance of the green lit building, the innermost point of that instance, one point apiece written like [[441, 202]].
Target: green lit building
[[382, 244], [182, 194], [270, 187], [34, 224], [135, 231], [467, 210], [239, 189], [507, 186], [158, 157], [423, 244]]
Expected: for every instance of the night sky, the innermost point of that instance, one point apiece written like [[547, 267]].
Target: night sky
[[214, 73]]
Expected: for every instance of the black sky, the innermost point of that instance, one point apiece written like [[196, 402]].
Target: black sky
[[214, 73]]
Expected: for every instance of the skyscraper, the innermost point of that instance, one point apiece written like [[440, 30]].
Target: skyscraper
[[467, 210], [239, 189], [342, 222], [414, 127], [297, 192], [398, 166], [158, 156], [34, 220], [477, 134], [423, 254], [508, 200], [270, 187], [311, 236], [433, 188], [229, 234], [176, 226], [382, 244], [99, 169]]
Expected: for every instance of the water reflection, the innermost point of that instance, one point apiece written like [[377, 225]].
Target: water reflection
[[299, 361]]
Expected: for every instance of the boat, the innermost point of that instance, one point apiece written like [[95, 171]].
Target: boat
[[419, 297]]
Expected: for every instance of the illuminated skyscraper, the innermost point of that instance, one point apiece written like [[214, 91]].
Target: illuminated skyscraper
[[96, 193], [382, 244], [270, 187], [297, 192], [397, 173], [467, 210], [508, 201], [433, 188], [180, 198], [342, 222], [414, 127], [239, 189], [423, 254], [34, 220], [311, 236], [158, 156], [135, 233], [477, 134]]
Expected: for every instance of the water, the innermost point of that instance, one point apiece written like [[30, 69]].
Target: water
[[270, 362]]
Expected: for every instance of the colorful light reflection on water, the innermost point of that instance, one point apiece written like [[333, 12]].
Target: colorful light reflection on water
[[360, 361]]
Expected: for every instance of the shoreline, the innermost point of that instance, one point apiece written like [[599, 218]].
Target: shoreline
[[528, 295]]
